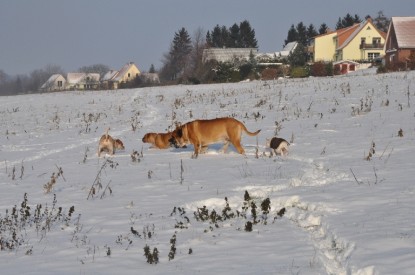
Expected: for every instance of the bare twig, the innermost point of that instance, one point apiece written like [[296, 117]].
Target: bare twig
[[358, 182]]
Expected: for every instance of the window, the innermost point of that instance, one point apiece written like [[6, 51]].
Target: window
[[376, 40], [362, 42], [59, 83], [372, 56]]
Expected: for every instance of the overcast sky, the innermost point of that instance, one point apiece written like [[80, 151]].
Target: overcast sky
[[76, 33]]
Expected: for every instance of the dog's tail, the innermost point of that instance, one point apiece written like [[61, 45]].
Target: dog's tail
[[106, 134], [250, 133]]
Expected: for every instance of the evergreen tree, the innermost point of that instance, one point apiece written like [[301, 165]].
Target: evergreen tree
[[292, 35], [311, 31], [302, 33], [242, 36], [176, 60], [347, 21], [217, 41], [152, 70], [208, 39], [247, 35], [381, 22], [323, 28], [298, 57], [234, 36], [225, 37]]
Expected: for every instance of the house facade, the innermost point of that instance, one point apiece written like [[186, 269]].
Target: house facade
[[56, 82], [113, 79], [400, 42], [82, 81], [345, 66], [360, 42], [228, 54]]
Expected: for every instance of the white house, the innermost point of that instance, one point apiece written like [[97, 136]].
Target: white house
[[82, 81], [56, 82]]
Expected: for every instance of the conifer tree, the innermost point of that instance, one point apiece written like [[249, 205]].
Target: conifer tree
[[311, 31], [381, 22], [323, 28], [247, 35], [176, 60], [234, 36], [292, 35]]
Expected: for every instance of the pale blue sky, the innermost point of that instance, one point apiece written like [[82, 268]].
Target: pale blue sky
[[76, 33]]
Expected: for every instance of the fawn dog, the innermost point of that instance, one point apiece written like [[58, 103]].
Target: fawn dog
[[107, 143], [158, 140], [201, 133]]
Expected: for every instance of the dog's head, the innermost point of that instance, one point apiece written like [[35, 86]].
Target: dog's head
[[149, 138], [177, 137], [119, 145]]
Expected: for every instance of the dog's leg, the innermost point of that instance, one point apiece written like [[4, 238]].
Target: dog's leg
[[197, 146], [225, 146], [239, 147]]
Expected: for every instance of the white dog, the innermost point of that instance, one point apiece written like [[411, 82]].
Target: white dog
[[278, 145]]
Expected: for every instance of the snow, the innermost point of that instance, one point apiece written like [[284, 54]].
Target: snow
[[346, 212]]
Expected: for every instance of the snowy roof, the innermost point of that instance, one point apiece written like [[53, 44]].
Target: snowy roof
[[123, 71], [51, 80], [290, 47], [227, 54], [287, 50], [109, 75], [74, 78], [345, 61], [405, 31]]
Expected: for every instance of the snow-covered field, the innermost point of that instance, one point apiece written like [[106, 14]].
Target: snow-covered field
[[347, 185]]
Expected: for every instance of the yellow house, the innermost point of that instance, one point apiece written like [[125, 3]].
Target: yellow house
[[360, 42], [113, 79]]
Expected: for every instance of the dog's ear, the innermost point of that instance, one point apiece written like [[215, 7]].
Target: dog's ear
[[180, 132]]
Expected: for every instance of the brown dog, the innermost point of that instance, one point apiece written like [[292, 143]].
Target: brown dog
[[278, 145], [201, 133], [158, 140], [107, 143]]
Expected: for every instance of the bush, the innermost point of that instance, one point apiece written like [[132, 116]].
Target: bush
[[319, 69], [381, 69], [299, 72], [322, 69], [269, 74]]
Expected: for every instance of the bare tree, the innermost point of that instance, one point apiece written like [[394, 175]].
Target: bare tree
[[195, 68]]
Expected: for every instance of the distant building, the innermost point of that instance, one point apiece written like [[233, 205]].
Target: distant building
[[275, 58], [151, 78], [82, 81], [400, 41], [127, 73], [56, 82], [228, 54], [345, 66], [360, 42]]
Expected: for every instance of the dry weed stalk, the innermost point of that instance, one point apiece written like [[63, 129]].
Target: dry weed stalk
[[48, 187]]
